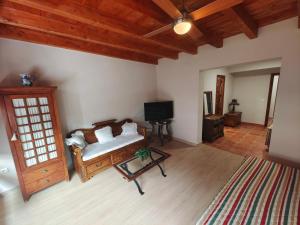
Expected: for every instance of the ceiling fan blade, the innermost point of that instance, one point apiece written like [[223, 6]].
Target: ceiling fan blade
[[168, 7], [214, 7], [158, 31]]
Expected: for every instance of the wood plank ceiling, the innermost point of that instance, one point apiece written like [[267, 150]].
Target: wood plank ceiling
[[117, 28]]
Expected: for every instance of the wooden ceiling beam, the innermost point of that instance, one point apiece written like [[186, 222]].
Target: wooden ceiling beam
[[81, 32], [210, 38], [78, 13], [92, 17], [179, 44], [22, 34], [214, 7], [246, 22], [169, 8], [147, 8]]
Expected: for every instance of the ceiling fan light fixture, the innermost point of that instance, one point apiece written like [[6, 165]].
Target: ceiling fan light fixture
[[182, 26]]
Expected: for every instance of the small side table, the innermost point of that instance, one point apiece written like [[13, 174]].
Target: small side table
[[232, 119], [160, 127]]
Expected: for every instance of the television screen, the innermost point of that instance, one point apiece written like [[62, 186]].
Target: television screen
[[156, 111]]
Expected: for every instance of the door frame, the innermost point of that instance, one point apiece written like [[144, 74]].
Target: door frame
[[216, 103], [270, 97]]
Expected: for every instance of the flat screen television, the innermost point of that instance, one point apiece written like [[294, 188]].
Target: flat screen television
[[157, 111]]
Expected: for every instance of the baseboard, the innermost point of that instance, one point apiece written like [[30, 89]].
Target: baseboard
[[184, 141], [253, 124], [6, 192]]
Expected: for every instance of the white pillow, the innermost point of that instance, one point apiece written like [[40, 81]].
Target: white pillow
[[129, 129], [76, 139], [104, 135]]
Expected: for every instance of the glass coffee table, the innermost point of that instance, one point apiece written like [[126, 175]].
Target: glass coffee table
[[134, 167]]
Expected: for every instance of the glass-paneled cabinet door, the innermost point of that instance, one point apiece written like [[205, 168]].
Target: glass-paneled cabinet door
[[33, 126]]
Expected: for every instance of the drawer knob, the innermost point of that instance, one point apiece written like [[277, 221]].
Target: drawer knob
[[44, 171], [98, 164], [47, 180]]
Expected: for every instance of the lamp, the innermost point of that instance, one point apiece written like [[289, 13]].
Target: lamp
[[232, 105], [182, 25]]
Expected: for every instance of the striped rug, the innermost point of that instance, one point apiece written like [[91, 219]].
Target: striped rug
[[259, 193]]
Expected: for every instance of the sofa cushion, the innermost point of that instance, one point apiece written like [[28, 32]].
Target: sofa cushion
[[129, 129], [104, 135], [76, 139], [96, 149]]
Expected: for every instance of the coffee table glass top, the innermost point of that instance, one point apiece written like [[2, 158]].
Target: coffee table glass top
[[133, 167]]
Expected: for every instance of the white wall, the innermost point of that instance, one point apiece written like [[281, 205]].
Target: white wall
[[179, 80], [209, 79], [261, 65], [90, 87], [252, 94], [273, 97]]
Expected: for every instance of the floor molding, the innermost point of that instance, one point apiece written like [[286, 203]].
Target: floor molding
[[184, 141], [283, 161], [253, 124], [6, 192]]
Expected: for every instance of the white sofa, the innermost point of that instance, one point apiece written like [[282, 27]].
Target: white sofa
[[96, 157]]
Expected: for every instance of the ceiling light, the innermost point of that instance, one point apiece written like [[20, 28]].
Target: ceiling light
[[182, 26]]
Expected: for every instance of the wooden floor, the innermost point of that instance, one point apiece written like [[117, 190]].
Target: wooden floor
[[246, 139], [194, 176]]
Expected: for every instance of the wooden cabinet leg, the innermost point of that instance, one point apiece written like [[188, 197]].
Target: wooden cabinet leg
[[26, 197]]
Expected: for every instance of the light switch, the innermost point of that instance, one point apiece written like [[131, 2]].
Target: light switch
[[3, 170]]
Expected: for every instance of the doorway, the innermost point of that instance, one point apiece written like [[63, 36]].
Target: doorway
[[220, 89], [273, 87], [249, 85]]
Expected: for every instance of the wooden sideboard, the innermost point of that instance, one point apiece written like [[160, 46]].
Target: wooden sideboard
[[213, 127], [33, 129], [232, 119]]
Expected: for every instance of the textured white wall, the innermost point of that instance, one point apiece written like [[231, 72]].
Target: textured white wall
[[179, 80], [209, 78], [252, 94], [261, 65], [90, 87], [273, 97]]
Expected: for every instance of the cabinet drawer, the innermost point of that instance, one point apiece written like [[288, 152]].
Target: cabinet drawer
[[44, 182], [99, 165], [120, 156], [43, 172]]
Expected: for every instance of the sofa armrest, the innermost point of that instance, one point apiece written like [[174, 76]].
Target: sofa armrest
[[75, 150], [77, 155], [142, 131]]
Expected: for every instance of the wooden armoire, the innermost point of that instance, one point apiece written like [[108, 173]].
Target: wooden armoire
[[34, 133]]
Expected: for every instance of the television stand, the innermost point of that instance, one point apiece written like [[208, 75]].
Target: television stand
[[160, 130]]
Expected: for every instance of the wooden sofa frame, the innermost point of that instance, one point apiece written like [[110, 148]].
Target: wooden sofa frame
[[87, 169]]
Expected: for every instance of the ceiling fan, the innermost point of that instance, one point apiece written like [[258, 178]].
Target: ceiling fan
[[183, 20]]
